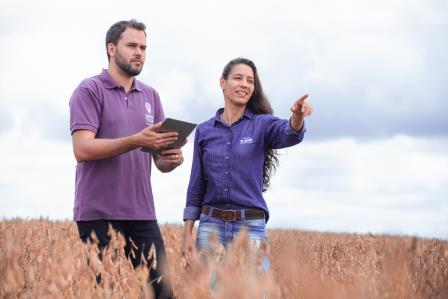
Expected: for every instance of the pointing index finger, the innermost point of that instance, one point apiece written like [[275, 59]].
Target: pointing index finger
[[302, 99]]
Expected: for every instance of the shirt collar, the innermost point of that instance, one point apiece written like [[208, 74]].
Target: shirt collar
[[109, 83], [247, 114]]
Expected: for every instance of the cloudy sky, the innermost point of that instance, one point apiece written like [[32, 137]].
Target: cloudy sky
[[375, 157]]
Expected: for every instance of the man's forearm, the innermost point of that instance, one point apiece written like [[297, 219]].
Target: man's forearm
[[97, 148]]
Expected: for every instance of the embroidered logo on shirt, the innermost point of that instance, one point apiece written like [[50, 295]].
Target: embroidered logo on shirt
[[246, 140], [148, 117], [148, 107]]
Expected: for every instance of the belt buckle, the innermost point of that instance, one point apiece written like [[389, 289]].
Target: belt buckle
[[229, 215]]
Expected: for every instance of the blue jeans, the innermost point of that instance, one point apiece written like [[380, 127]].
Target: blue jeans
[[226, 231]]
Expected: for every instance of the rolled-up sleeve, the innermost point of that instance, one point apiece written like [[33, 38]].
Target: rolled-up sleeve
[[280, 134], [192, 213], [196, 186], [290, 131]]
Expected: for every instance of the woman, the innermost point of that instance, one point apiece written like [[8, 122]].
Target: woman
[[234, 158]]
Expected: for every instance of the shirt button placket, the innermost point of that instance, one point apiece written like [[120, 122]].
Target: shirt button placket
[[226, 166]]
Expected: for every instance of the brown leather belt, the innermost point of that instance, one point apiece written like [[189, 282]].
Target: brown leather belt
[[232, 215]]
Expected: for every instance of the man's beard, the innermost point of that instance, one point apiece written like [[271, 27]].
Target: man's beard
[[126, 67]]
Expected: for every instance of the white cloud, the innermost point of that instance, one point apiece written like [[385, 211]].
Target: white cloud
[[38, 175], [396, 185], [175, 87], [370, 56]]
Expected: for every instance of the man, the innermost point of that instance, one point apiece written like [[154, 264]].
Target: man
[[112, 117]]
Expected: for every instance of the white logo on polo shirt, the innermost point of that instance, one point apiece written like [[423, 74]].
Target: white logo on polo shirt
[[246, 140], [148, 117], [148, 107]]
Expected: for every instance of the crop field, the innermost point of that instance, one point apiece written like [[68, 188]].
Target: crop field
[[46, 259]]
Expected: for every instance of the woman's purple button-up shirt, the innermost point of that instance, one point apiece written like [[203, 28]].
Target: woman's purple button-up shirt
[[227, 169]]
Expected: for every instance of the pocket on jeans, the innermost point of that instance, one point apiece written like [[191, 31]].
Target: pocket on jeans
[[204, 218], [256, 229]]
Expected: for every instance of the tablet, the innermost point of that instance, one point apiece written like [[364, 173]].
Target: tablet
[[183, 128]]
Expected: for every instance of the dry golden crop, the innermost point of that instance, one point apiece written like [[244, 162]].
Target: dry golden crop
[[46, 259]]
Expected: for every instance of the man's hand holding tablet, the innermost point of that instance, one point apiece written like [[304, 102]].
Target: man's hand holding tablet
[[183, 128]]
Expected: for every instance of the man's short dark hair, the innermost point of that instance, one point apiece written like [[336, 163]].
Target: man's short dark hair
[[114, 33]]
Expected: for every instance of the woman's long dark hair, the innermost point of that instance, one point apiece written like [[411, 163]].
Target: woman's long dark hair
[[258, 104]]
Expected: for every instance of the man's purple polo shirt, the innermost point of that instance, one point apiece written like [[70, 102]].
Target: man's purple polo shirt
[[117, 188]]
